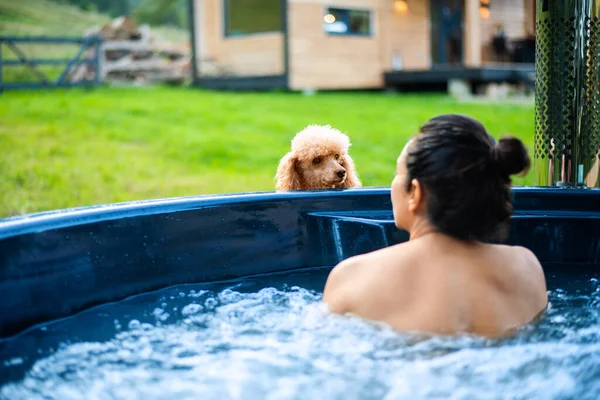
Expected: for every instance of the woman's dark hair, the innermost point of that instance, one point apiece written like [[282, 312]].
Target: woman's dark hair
[[466, 176]]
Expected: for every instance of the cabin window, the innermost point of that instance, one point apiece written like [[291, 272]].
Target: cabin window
[[246, 17], [342, 21]]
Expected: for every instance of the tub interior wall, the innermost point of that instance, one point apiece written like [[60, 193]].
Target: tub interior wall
[[55, 264]]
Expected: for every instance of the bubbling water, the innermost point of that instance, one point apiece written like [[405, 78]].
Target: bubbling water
[[278, 342]]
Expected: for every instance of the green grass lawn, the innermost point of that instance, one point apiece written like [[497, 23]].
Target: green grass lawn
[[73, 148]]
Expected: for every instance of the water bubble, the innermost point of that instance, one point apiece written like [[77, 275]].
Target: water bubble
[[147, 327], [191, 309], [229, 296], [160, 314], [210, 303], [13, 361], [133, 324]]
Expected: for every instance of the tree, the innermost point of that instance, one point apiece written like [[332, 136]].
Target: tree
[[112, 7], [161, 12], [154, 12]]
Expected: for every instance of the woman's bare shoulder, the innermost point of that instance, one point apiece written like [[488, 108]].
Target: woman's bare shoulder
[[356, 265], [338, 292], [363, 266], [521, 255], [397, 250], [528, 268], [532, 265], [354, 275]]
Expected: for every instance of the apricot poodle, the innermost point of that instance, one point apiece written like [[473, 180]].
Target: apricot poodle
[[319, 159]]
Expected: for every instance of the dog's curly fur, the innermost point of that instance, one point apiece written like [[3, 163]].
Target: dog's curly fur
[[318, 159]]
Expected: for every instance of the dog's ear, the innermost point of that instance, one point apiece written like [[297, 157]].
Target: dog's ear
[[287, 175], [352, 179]]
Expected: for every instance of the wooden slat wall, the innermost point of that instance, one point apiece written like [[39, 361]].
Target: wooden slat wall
[[254, 55], [529, 23], [512, 14], [319, 60], [410, 35]]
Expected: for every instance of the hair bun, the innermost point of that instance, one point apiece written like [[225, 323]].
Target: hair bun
[[511, 156]]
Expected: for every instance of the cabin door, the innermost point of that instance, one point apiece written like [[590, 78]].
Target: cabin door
[[446, 31]]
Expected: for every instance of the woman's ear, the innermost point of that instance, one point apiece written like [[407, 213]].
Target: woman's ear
[[287, 174], [415, 196]]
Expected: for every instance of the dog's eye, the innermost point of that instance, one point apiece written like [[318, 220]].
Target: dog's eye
[[337, 156], [317, 160]]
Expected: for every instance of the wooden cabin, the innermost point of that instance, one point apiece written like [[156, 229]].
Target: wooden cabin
[[359, 44]]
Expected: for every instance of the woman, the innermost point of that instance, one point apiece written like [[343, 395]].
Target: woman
[[451, 192]]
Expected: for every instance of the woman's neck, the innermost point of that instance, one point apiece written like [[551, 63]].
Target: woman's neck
[[421, 228]]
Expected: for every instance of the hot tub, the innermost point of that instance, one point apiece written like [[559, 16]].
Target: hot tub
[[219, 297]]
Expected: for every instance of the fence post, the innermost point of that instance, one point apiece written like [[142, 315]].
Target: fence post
[[84, 46], [101, 61], [98, 53]]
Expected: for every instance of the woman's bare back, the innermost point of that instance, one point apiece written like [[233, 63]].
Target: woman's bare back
[[451, 193], [437, 284]]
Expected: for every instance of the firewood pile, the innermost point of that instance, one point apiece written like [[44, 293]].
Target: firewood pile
[[132, 53]]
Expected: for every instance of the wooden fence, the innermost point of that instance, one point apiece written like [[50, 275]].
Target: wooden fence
[[81, 70]]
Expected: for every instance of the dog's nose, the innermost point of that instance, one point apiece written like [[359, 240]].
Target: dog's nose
[[341, 173]]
